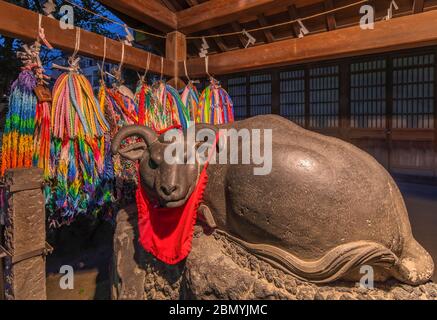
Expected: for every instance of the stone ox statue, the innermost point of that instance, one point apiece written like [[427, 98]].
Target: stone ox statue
[[326, 209]]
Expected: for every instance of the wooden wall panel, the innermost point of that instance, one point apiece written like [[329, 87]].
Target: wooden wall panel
[[363, 80]]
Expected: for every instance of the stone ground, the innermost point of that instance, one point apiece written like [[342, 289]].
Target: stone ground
[[90, 252], [88, 249]]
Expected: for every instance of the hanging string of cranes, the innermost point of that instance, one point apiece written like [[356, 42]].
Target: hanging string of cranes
[[67, 131]]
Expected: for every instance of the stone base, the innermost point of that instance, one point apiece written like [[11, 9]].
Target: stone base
[[219, 269]]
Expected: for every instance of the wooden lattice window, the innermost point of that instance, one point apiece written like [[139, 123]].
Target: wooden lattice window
[[237, 91], [368, 94], [413, 92], [292, 101], [324, 97], [260, 94]]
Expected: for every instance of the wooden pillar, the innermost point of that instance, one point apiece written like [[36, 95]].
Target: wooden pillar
[[345, 108], [389, 110], [176, 51], [2, 278], [418, 6], [248, 98], [25, 235], [435, 112], [307, 97], [276, 93]]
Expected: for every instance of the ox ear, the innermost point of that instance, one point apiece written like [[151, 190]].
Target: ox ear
[[135, 151]]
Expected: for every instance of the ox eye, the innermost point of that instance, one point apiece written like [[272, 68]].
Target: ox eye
[[152, 164]]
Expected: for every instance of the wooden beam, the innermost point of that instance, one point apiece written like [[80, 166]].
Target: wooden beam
[[218, 12], [198, 44], [217, 40], [17, 22], [176, 51], [267, 32], [150, 12], [292, 13], [435, 109], [307, 6], [192, 3], [331, 24], [237, 27], [173, 6], [418, 6], [399, 33]]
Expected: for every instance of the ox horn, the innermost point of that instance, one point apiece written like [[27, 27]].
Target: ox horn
[[147, 134]]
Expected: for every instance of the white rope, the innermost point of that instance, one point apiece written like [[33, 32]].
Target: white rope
[[207, 67], [280, 24], [73, 61], [102, 69], [331, 11], [104, 51], [39, 27], [146, 70], [77, 44], [149, 57], [41, 34], [162, 67], [186, 70], [122, 57]]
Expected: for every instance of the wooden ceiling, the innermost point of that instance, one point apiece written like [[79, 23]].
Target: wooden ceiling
[[21, 23], [335, 35], [207, 17]]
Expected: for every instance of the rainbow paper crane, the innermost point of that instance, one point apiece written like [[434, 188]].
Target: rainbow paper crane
[[174, 110], [80, 146], [216, 106]]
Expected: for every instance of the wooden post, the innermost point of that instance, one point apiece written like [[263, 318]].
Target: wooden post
[[435, 112], [389, 110], [345, 102], [176, 51], [248, 98], [25, 235], [307, 97], [276, 92], [2, 277]]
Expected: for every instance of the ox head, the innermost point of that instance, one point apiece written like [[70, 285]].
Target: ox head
[[170, 184]]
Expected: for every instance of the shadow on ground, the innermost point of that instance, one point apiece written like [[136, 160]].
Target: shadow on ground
[[86, 245]]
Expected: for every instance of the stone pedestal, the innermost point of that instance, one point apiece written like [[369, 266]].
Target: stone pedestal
[[25, 236], [127, 276], [220, 269], [135, 273]]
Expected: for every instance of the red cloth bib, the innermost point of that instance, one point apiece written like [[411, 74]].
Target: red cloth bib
[[167, 233]]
